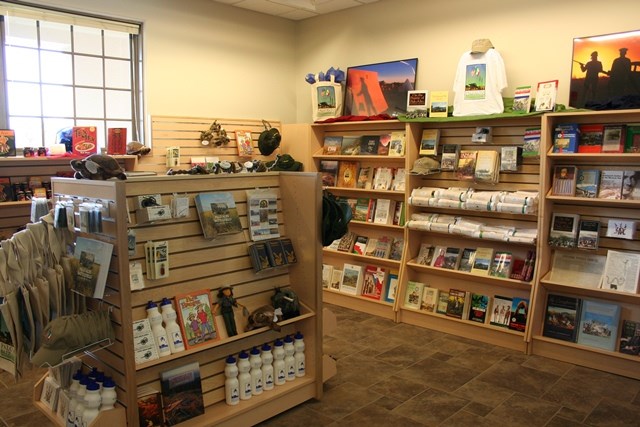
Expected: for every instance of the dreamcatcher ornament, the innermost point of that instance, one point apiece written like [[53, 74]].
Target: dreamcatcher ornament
[[215, 135]]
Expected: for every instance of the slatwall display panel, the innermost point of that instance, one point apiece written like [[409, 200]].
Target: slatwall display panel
[[184, 132]]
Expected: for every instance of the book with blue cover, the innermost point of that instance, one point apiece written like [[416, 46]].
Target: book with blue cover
[[599, 322]]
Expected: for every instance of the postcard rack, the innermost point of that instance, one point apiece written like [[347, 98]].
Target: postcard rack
[[196, 264]]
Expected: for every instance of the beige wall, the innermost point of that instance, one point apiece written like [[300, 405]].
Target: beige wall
[[206, 59], [534, 37]]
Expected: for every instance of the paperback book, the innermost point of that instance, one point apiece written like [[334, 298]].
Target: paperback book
[[352, 276], [244, 143], [329, 172], [413, 295], [610, 184], [451, 258], [384, 144], [218, 214], [564, 180], [397, 144], [150, 411], [501, 311], [457, 303], [467, 259], [94, 258], [588, 234], [531, 145], [501, 266], [350, 145], [591, 137], [196, 317], [587, 183], [632, 139], [182, 396], [564, 230], [599, 322], [478, 308], [630, 338], [519, 310], [450, 157], [613, 139], [466, 165], [7, 143], [546, 95], [425, 254], [522, 99], [391, 290], [561, 318], [482, 261], [429, 142], [439, 103], [565, 138], [443, 302], [116, 141], [621, 271], [369, 145], [360, 245], [429, 300], [347, 174], [365, 177], [373, 282], [332, 145]]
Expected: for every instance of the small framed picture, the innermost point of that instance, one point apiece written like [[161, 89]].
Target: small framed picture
[[417, 100]]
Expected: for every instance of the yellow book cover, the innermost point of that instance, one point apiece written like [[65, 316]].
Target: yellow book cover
[[439, 103]]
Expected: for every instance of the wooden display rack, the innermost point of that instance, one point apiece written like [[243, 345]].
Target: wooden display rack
[[195, 264]]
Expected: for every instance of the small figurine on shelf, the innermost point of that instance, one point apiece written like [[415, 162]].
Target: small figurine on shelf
[[226, 301]]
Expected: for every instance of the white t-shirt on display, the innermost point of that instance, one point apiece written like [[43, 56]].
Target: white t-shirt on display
[[478, 85]]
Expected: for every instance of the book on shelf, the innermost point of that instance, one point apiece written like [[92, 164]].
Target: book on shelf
[[116, 141], [84, 140], [371, 246], [372, 209], [450, 157], [347, 241], [613, 138], [397, 145], [425, 254], [259, 256], [417, 100], [429, 299], [451, 258], [632, 138], [413, 295], [218, 214], [457, 303], [522, 99], [531, 142], [487, 166], [365, 177], [244, 143], [466, 259], [443, 302], [93, 261], [329, 172], [197, 318], [399, 180], [478, 306], [587, 183], [327, 273], [382, 178], [482, 261], [546, 95], [621, 271], [383, 144], [360, 245], [383, 247], [564, 180], [562, 317], [630, 185], [384, 211], [564, 230], [588, 234], [510, 158], [347, 174], [336, 280], [630, 337], [332, 145], [501, 311], [391, 290], [362, 209], [591, 136], [7, 142], [578, 268], [429, 142], [352, 276], [399, 214], [275, 253], [438, 256], [565, 138], [369, 145], [501, 265], [517, 269], [529, 265], [289, 252], [439, 103], [182, 396], [599, 321], [518, 316], [373, 282], [397, 248], [610, 184], [618, 228], [150, 411], [466, 165], [350, 145]]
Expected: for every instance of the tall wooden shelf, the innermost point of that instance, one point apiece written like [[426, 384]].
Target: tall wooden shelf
[[196, 263], [593, 209]]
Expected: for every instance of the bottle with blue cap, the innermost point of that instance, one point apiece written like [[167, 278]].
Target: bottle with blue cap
[[73, 395], [244, 377], [91, 403], [289, 360], [267, 367], [231, 384], [176, 343], [256, 372], [159, 333], [108, 394], [280, 373], [298, 356], [79, 409]]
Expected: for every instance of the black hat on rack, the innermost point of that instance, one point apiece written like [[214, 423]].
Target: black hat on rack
[[269, 139]]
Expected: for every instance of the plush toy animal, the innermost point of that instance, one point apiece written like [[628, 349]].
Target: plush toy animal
[[137, 148], [287, 301], [265, 316], [97, 167]]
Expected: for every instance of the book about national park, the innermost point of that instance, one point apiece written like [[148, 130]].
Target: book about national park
[[182, 396], [218, 214], [94, 258]]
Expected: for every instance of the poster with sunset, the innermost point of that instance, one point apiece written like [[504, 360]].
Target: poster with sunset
[[605, 70]]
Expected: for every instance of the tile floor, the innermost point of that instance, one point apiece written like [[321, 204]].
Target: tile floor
[[399, 375]]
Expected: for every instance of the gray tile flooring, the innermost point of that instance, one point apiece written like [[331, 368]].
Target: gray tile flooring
[[399, 375]]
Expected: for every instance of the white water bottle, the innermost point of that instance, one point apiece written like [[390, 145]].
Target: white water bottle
[[73, 398], [267, 367], [298, 356], [289, 360], [91, 403], [159, 333], [231, 384], [244, 377], [279, 371], [176, 343], [108, 394], [256, 371], [79, 409]]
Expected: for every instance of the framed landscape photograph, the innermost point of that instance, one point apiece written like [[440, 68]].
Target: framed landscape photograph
[[379, 88], [604, 69]]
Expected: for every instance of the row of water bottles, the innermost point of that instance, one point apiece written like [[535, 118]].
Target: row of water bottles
[[262, 369], [168, 337], [88, 395]]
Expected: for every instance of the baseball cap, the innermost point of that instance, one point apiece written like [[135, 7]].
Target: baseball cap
[[425, 166], [481, 45], [66, 334]]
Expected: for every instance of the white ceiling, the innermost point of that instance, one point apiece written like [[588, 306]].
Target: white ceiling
[[295, 10]]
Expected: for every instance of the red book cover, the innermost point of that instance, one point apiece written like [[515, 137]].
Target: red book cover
[[84, 140], [590, 138], [117, 141], [373, 283]]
